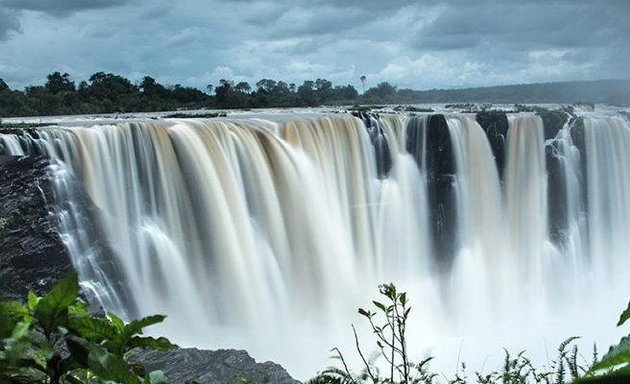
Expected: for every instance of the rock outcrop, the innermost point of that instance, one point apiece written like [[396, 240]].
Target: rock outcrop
[[224, 366], [32, 254], [496, 126]]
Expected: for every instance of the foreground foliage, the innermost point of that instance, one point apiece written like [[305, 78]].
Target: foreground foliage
[[388, 321], [615, 365], [54, 339]]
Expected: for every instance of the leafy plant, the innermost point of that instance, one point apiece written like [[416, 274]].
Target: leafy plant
[[53, 339], [388, 321], [615, 365]]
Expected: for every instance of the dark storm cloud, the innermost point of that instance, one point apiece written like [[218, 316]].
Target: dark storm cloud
[[9, 22], [61, 7], [525, 25], [411, 43]]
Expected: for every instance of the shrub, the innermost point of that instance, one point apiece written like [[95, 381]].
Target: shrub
[[53, 339]]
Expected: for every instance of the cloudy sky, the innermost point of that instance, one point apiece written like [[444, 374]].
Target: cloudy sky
[[418, 44]]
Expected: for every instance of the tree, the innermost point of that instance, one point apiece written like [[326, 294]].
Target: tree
[[307, 94], [3, 86], [363, 79], [224, 92], [266, 85], [345, 93], [383, 92], [243, 87], [150, 87], [59, 83]]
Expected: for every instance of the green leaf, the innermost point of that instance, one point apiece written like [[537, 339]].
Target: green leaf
[[136, 326], [616, 357], [78, 309], [93, 328], [365, 313], [32, 301], [108, 366], [380, 306], [119, 344], [13, 309], [117, 321], [161, 343], [52, 309], [624, 316], [21, 330]]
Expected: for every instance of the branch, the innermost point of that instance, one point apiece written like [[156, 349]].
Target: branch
[[345, 366], [367, 365]]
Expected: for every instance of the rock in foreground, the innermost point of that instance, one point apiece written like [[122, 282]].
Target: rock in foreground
[[224, 366]]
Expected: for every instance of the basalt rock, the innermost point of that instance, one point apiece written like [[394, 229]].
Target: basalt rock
[[32, 254], [496, 126], [213, 367], [429, 141], [553, 121]]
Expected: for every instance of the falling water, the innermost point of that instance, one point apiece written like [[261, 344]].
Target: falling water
[[267, 233]]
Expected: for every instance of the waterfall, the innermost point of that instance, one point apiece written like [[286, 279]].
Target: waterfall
[[249, 231]]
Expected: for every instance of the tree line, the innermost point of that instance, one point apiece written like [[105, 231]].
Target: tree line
[[111, 93]]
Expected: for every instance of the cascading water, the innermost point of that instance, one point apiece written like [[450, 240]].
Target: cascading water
[[267, 233]]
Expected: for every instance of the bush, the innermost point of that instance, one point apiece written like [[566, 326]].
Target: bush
[[53, 339]]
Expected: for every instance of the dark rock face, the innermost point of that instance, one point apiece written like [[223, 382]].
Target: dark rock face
[[32, 255], [213, 367], [496, 126], [557, 172], [379, 142], [556, 192], [429, 141], [553, 121]]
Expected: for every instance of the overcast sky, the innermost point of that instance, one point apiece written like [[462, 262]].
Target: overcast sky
[[417, 44]]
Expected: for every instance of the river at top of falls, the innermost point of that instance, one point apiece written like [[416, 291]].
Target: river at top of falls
[[267, 233]]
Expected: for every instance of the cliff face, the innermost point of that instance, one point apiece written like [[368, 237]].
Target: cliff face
[[32, 254]]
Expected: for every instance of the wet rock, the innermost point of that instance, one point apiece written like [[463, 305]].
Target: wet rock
[[553, 121], [496, 126], [429, 141], [32, 254]]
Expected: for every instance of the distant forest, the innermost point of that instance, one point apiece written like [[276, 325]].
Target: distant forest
[[110, 93]]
